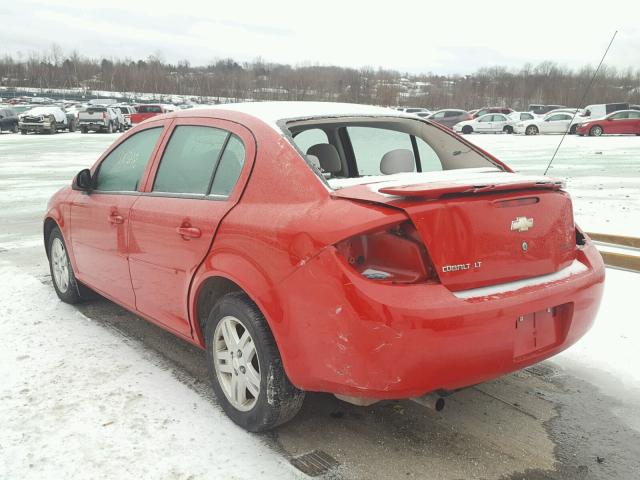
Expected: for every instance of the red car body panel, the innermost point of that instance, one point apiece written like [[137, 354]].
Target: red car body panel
[[337, 331]]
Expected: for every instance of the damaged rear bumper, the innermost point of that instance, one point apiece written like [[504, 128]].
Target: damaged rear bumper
[[344, 334]]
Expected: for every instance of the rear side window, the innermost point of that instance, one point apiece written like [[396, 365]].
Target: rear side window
[[370, 144], [122, 169], [310, 137], [229, 167], [189, 159], [451, 113]]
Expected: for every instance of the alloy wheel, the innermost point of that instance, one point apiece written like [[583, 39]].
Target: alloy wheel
[[236, 363], [60, 265]]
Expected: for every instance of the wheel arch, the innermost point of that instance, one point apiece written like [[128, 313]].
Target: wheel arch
[[50, 222], [232, 273]]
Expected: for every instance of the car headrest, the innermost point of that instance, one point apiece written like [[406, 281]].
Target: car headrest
[[313, 160], [328, 156], [396, 161]]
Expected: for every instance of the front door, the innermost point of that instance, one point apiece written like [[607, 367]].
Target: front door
[[100, 219], [173, 224]]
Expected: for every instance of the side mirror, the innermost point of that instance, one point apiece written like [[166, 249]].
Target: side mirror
[[83, 181]]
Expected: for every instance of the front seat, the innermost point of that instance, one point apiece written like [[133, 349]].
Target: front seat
[[328, 157], [397, 161]]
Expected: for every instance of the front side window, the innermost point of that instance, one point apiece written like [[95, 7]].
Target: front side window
[[499, 118], [439, 115], [189, 160], [486, 118], [229, 168], [122, 169], [452, 113], [620, 116], [634, 114]]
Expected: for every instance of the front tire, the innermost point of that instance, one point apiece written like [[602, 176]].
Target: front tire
[[596, 131], [245, 366], [64, 280]]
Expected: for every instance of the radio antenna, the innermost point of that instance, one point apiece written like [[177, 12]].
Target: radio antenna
[[584, 95]]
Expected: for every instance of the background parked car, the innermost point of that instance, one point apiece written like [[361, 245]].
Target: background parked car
[[622, 122], [8, 120], [489, 123], [554, 123], [539, 109], [147, 111], [449, 117], [98, 119], [127, 111], [419, 111], [485, 110], [601, 110], [43, 120]]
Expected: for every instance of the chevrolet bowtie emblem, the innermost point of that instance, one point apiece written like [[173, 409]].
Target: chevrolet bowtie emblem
[[521, 224]]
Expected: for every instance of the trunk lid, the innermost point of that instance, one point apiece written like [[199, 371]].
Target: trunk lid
[[481, 227]]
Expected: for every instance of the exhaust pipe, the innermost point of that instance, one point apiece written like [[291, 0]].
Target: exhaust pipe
[[433, 400]]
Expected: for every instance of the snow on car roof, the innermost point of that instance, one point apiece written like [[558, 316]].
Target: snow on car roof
[[274, 112]]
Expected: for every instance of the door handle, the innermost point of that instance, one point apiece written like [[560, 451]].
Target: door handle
[[189, 232], [115, 218]]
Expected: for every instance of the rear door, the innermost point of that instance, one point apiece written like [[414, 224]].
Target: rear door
[[618, 123], [100, 219], [634, 123], [195, 182]]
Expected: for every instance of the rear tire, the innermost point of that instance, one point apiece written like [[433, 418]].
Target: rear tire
[[508, 129], [467, 129], [245, 366], [84, 129], [596, 131], [110, 128], [531, 130], [62, 276], [23, 132]]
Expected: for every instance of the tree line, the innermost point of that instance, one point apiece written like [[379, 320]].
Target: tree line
[[228, 79]]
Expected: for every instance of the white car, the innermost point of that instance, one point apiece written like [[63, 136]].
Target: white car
[[488, 123], [419, 111], [554, 123]]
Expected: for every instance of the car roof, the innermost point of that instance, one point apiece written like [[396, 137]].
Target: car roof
[[273, 113]]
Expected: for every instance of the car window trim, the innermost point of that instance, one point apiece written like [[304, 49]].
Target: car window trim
[[217, 164], [416, 153]]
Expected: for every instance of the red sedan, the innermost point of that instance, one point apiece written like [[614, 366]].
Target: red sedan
[[620, 122], [326, 247]]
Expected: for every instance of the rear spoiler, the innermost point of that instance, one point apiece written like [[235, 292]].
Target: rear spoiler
[[439, 189]]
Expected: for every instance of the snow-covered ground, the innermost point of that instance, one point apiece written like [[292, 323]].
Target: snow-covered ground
[[81, 400], [101, 407]]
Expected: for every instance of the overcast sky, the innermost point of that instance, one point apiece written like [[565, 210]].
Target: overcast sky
[[416, 36]]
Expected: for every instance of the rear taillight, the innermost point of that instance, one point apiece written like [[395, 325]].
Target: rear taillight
[[394, 254]]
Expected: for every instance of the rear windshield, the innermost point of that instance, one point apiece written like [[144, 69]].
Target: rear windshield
[[96, 109], [149, 109], [356, 151]]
